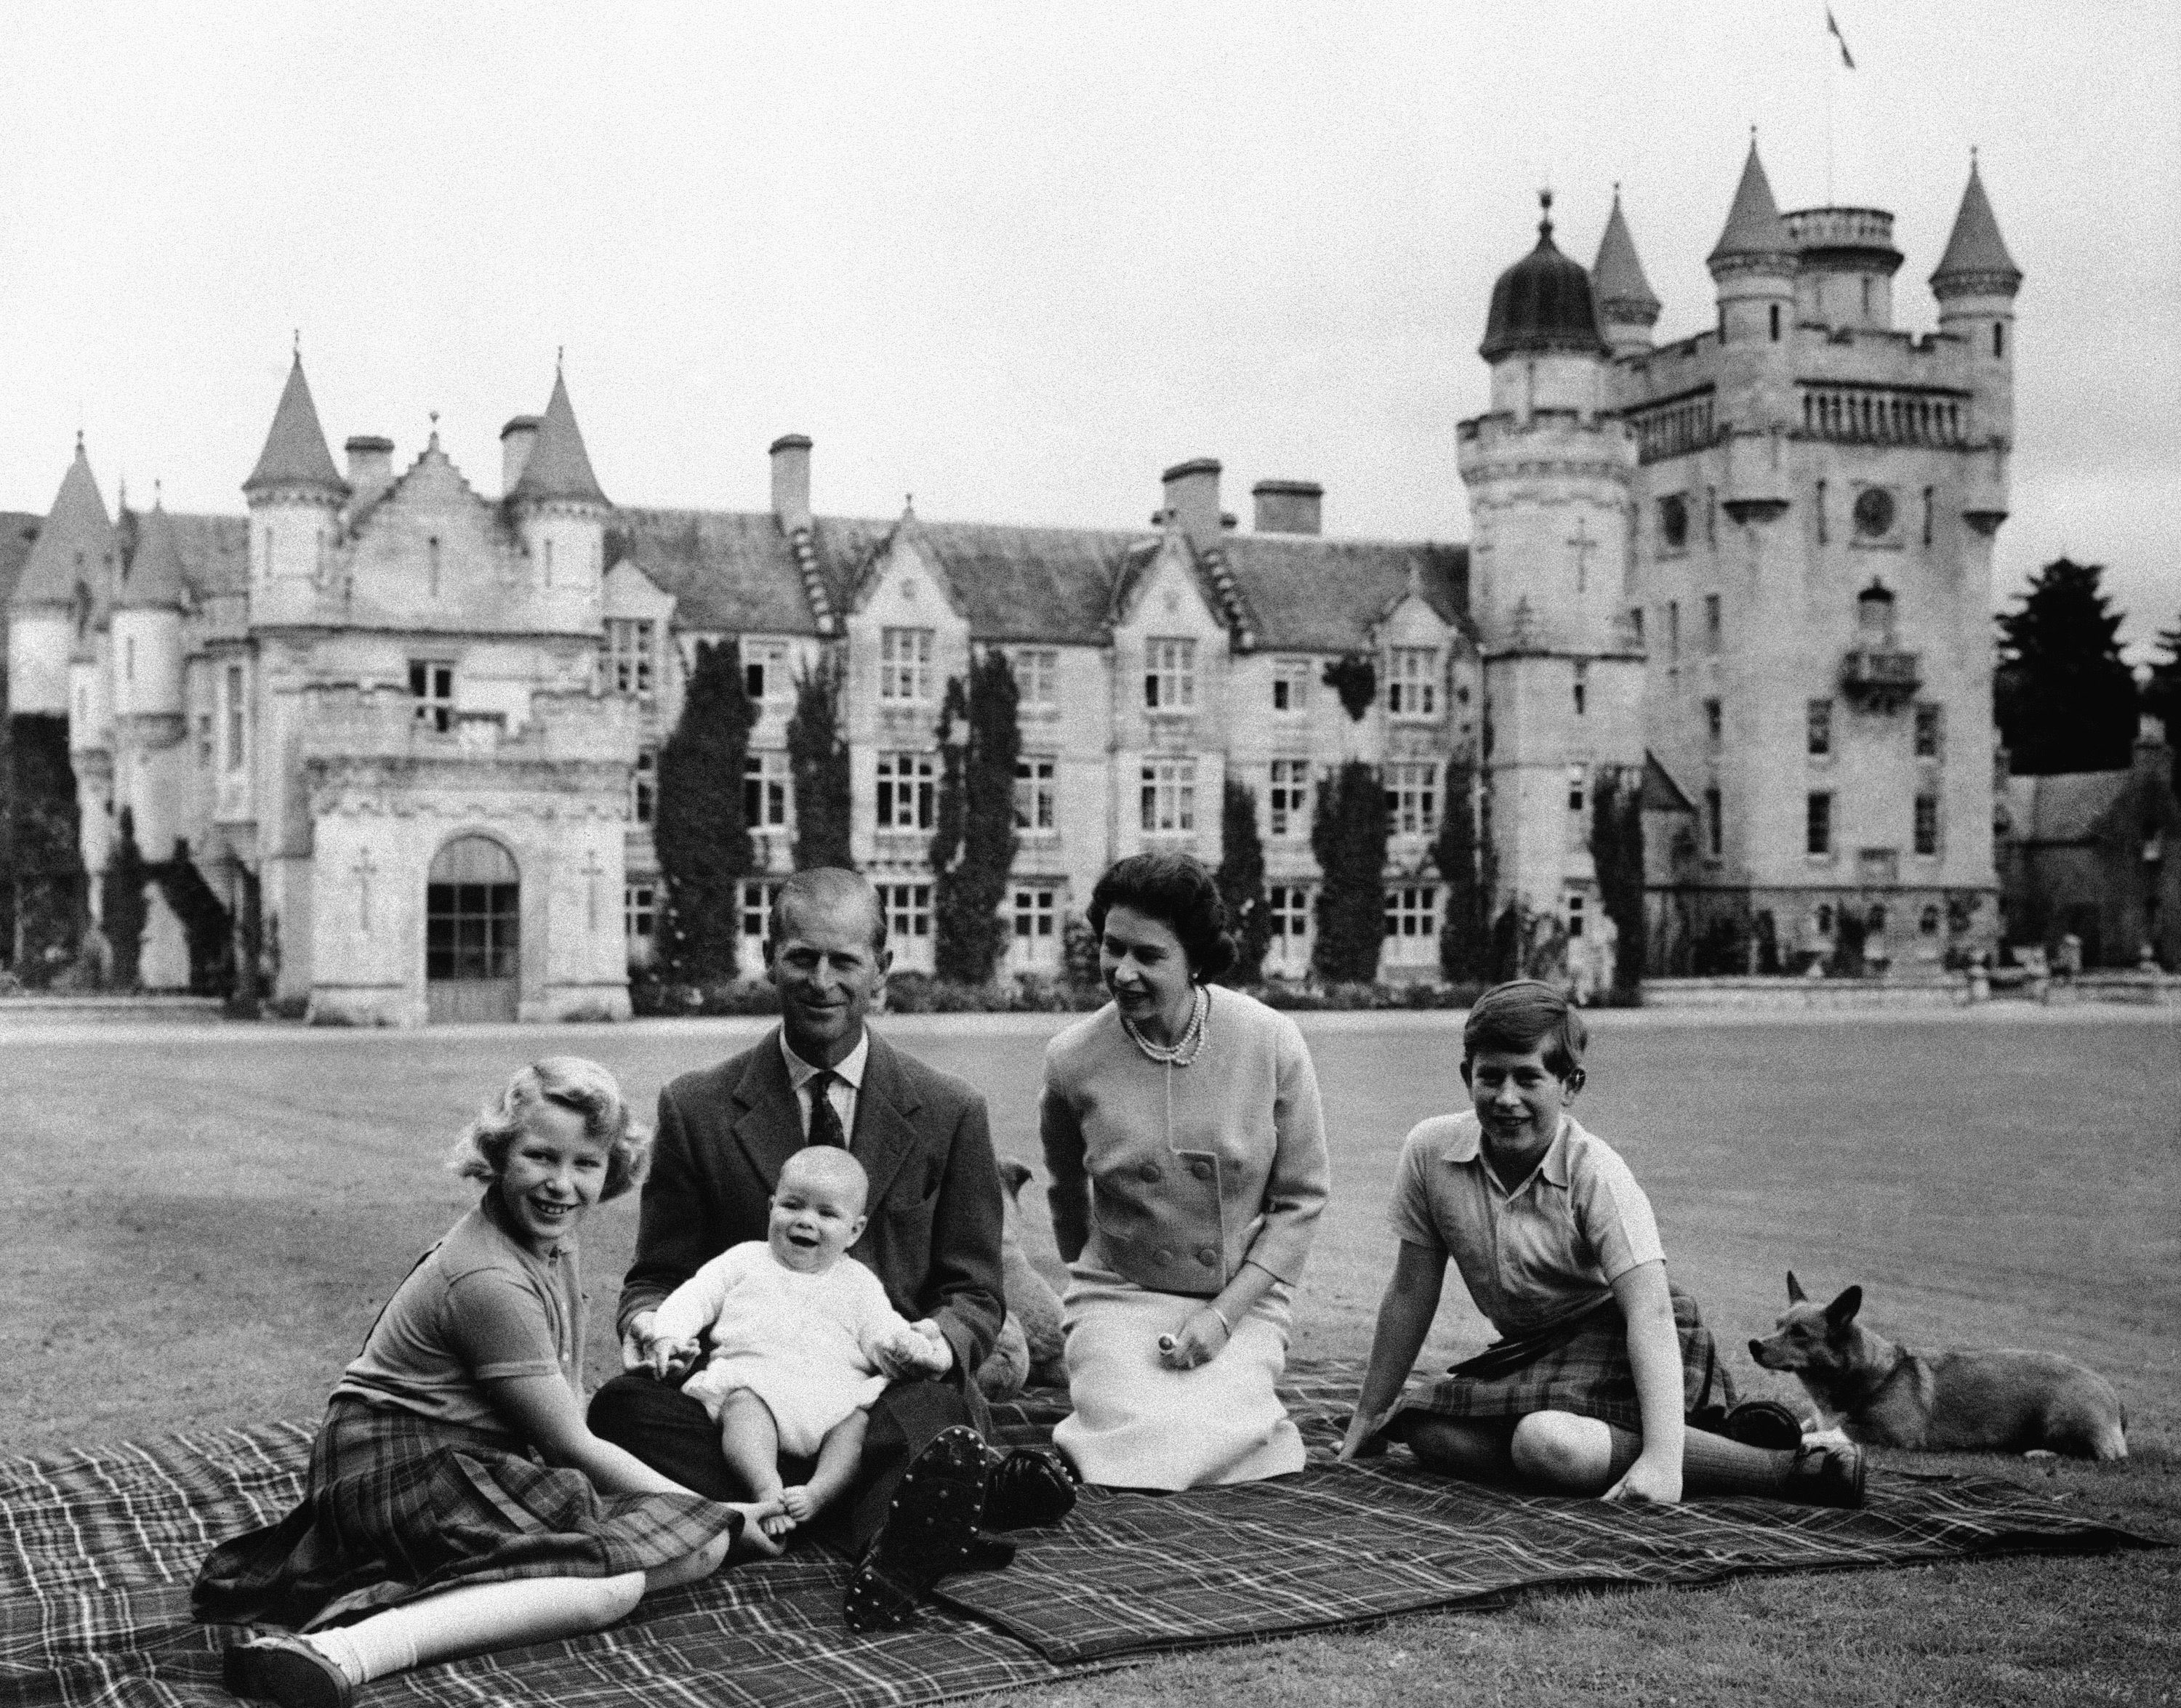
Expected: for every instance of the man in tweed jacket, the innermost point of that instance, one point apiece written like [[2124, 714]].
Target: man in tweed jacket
[[933, 1240]]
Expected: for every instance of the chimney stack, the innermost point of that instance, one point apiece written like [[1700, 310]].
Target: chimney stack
[[1192, 500], [791, 481], [370, 468], [1288, 507], [515, 439]]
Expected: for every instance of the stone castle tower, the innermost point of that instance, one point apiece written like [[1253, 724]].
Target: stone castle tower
[[1757, 561]]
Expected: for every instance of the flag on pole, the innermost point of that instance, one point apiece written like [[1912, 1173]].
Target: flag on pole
[[1847, 57]]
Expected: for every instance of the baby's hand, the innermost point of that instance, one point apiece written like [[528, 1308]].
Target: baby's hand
[[799, 1503]]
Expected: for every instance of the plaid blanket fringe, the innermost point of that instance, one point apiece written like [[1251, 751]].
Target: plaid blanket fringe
[[97, 1552]]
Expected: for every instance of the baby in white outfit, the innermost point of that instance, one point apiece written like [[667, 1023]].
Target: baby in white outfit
[[800, 1334]]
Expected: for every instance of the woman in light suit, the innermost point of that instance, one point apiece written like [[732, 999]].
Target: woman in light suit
[[1187, 1153]]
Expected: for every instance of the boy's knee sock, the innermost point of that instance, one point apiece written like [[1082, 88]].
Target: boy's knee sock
[[475, 1619], [1714, 1465]]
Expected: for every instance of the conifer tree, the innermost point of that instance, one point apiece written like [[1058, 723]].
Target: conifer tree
[[818, 760], [206, 924], [2161, 694], [973, 847], [1616, 851], [1348, 835], [44, 866], [123, 912], [1465, 937], [1241, 880], [2064, 699], [700, 829]]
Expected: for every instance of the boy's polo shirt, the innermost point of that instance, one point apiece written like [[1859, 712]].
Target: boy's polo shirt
[[1535, 1256]]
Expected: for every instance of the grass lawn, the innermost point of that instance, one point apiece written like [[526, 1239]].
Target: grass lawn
[[204, 1220]]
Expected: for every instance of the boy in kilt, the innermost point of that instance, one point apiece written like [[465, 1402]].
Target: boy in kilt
[[1601, 1364]]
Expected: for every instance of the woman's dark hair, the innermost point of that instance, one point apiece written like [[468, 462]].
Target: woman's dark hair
[[1522, 1016], [1179, 893]]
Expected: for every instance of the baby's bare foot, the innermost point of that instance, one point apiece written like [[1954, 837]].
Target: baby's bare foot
[[799, 1503]]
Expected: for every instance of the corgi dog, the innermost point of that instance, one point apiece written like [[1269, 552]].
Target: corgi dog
[[1965, 1401]]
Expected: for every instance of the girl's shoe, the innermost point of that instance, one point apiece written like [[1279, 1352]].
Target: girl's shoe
[[286, 1669]]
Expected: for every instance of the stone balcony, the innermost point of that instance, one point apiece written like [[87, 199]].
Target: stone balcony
[[1880, 677], [348, 722]]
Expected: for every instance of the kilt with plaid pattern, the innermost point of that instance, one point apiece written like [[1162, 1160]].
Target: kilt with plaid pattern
[[398, 1505], [1589, 1375]]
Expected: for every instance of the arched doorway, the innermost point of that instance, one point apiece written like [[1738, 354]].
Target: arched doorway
[[472, 932]]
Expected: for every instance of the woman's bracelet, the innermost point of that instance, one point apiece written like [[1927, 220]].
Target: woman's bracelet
[[1224, 1323]]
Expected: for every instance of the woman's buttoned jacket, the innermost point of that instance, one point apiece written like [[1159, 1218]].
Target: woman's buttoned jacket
[[1174, 1177]]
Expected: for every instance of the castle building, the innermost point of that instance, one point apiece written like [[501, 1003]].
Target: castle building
[[415, 727]]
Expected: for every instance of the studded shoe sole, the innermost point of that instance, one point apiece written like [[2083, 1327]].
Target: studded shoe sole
[[932, 1519]]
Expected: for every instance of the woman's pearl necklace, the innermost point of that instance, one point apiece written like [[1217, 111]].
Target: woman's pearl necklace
[[1183, 1051]]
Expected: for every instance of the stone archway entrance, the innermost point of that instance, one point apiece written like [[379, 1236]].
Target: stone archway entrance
[[472, 932]]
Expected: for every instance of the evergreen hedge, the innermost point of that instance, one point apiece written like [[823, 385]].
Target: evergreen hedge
[[1348, 835], [973, 848], [41, 860], [1241, 880], [122, 910], [700, 828], [818, 759]]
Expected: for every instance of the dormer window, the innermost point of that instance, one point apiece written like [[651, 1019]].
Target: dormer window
[[1412, 682], [905, 665], [1169, 675]]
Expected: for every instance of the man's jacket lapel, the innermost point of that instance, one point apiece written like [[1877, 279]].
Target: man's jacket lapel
[[885, 1137], [767, 1122]]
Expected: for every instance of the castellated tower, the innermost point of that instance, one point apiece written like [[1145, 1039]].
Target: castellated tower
[[560, 512], [1548, 473], [150, 759], [1814, 499], [294, 495], [69, 568]]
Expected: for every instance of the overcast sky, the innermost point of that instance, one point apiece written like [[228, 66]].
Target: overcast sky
[[1016, 259]]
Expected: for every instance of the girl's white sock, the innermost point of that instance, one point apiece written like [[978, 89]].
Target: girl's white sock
[[473, 1619], [364, 1653]]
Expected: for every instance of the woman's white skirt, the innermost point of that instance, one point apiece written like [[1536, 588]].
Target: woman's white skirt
[[1137, 1423]]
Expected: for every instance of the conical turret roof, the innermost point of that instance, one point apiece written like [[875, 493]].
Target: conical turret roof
[[1616, 277], [1976, 254], [296, 453], [1542, 302], [74, 545], [1753, 226], [558, 466], [154, 579]]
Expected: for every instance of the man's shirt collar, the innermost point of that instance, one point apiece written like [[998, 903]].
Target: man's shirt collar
[[850, 1066]]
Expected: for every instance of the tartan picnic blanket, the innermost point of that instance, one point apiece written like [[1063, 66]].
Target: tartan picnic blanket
[[99, 1550]]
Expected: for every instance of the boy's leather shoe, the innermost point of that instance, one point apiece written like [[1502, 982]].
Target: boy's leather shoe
[[1028, 1487], [1830, 1475], [932, 1519], [279, 1667], [1764, 1423]]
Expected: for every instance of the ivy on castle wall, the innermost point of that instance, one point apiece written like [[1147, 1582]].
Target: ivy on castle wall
[[40, 858], [1616, 853], [699, 829], [818, 762], [1241, 880], [1354, 678], [206, 925], [973, 846], [1464, 945], [122, 913], [1348, 835]]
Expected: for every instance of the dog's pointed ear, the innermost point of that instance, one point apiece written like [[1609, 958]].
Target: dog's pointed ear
[[1842, 1311], [1796, 1295]]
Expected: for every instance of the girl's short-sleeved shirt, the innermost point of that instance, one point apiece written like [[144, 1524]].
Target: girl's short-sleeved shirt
[[480, 1305], [1536, 1256]]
